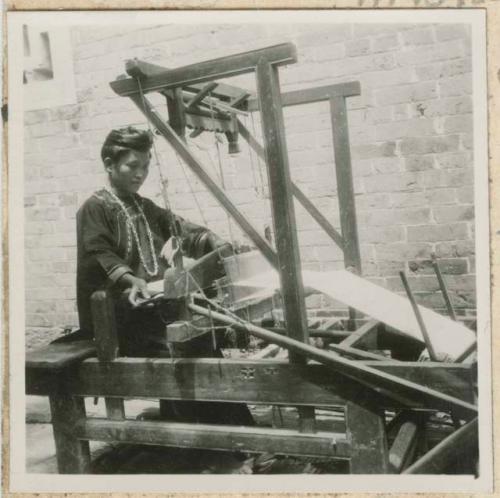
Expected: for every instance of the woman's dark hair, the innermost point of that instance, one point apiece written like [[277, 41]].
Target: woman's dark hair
[[120, 141]]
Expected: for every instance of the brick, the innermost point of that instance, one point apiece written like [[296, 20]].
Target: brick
[[29, 201], [381, 79], [47, 129], [374, 29], [467, 140], [38, 227], [448, 178], [408, 199], [403, 251], [415, 92], [442, 107], [456, 86], [395, 182], [441, 196], [450, 266], [402, 129], [378, 115], [329, 52], [453, 213], [37, 116], [368, 201], [68, 112], [436, 233], [451, 31], [420, 283], [47, 254], [457, 160], [62, 141], [385, 43], [429, 145], [458, 248], [321, 37], [381, 235], [419, 163], [431, 53], [386, 165], [419, 36], [43, 214], [400, 112], [444, 69], [385, 149], [465, 195], [360, 46], [382, 217]]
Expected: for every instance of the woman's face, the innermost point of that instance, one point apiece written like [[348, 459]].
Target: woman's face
[[127, 174]]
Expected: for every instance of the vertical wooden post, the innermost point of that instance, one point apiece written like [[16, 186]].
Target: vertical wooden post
[[73, 455], [285, 229], [282, 201], [345, 190], [176, 113], [366, 431], [106, 335]]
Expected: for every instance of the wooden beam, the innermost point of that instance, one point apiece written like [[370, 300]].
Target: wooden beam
[[297, 193], [345, 189], [285, 230], [201, 95], [60, 355], [316, 94], [73, 455], [197, 168], [223, 67], [365, 429], [138, 68], [387, 384], [216, 437], [107, 346], [361, 334], [444, 291], [463, 443], [270, 381], [404, 445]]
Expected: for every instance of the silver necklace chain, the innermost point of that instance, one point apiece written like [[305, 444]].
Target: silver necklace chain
[[130, 223]]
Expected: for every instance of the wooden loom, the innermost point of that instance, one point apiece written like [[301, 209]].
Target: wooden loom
[[364, 384]]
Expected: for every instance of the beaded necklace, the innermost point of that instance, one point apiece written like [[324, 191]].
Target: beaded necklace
[[130, 224]]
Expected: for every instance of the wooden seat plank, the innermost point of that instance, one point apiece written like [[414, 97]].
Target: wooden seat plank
[[60, 355]]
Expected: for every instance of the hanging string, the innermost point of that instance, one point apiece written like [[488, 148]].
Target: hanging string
[[252, 166], [259, 163], [221, 170], [174, 229]]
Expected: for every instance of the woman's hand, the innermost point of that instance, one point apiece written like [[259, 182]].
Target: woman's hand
[[138, 288]]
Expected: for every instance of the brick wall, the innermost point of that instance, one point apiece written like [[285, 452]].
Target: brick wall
[[411, 143]]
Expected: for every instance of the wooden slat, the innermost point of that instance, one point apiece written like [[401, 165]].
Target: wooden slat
[[316, 94], [361, 334], [201, 72], [73, 455], [463, 443], [392, 386], [58, 356], [266, 381], [107, 346], [216, 437], [197, 168], [298, 194]]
